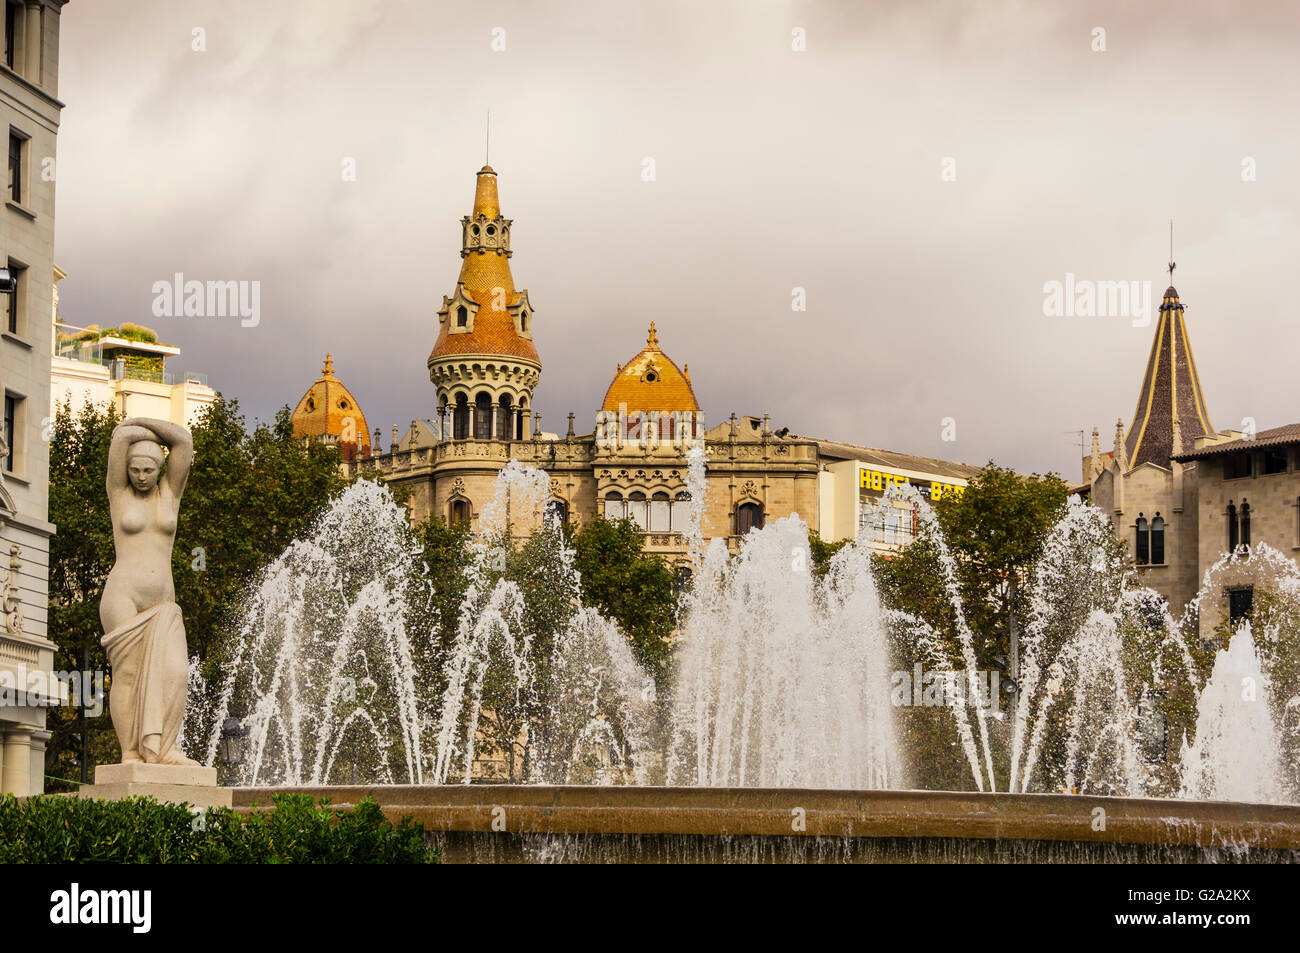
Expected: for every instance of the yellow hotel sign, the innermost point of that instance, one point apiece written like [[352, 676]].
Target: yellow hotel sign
[[878, 481]]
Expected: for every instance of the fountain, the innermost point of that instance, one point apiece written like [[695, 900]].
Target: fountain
[[780, 721]]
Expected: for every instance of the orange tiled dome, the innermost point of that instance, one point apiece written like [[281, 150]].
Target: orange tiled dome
[[329, 408], [651, 381], [481, 273]]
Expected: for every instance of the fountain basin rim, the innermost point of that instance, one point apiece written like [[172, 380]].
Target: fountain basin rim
[[816, 812]]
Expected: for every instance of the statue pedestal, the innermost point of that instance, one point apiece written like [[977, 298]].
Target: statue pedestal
[[192, 784]]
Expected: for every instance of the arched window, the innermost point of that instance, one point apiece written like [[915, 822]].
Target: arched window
[[462, 317], [614, 509], [681, 514], [1143, 548], [460, 419], [459, 512], [660, 513], [523, 321], [1245, 523], [638, 510], [503, 429], [1158, 540], [482, 417], [1232, 528], [748, 516]]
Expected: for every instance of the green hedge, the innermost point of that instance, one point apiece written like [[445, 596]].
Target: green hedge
[[54, 829]]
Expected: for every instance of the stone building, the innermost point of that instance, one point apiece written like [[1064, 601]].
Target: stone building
[[329, 413], [1176, 489], [30, 111], [633, 461]]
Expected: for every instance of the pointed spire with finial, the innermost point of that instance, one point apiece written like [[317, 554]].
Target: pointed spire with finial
[[652, 338], [1120, 456], [1094, 463], [328, 369]]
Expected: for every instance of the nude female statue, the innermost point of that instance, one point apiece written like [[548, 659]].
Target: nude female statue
[[144, 633]]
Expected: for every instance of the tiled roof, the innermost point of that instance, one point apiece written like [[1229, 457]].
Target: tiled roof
[[325, 409], [481, 273], [651, 381], [891, 458], [1278, 436], [1170, 387]]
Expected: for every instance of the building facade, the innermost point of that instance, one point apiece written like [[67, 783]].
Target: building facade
[[1182, 495], [484, 367], [29, 112], [125, 369]]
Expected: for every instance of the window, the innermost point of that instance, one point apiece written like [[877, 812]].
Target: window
[[1240, 603], [1245, 523], [557, 512], [16, 149], [1232, 528], [614, 509], [748, 516], [462, 317], [1236, 466], [460, 512], [523, 321], [638, 510], [1157, 541], [503, 427], [1275, 461], [460, 419], [482, 417], [680, 516], [15, 299], [11, 31], [1143, 549], [11, 419], [660, 513]]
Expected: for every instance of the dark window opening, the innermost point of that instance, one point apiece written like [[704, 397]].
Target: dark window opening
[[482, 417], [11, 412], [1240, 604], [460, 512], [460, 419], [1157, 541], [749, 516], [557, 512], [1143, 548], [1232, 528], [16, 167], [1245, 523], [1274, 461], [1236, 466], [462, 317], [14, 299], [11, 25]]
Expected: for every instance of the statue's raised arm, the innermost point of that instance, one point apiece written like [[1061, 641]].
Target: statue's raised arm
[[139, 440]]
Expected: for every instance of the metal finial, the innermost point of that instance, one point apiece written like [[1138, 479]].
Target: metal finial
[[1172, 264]]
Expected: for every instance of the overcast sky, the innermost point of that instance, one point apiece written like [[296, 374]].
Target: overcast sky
[[775, 169]]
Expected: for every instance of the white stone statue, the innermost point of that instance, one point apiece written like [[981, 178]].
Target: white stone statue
[[144, 634]]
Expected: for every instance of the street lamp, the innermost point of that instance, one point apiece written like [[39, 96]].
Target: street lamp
[[231, 747]]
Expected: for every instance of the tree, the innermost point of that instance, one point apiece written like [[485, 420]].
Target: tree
[[994, 532], [638, 590], [249, 494]]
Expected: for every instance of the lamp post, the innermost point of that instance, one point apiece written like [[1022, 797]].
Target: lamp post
[[231, 747]]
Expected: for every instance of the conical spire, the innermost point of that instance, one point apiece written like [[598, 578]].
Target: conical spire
[[1171, 391]]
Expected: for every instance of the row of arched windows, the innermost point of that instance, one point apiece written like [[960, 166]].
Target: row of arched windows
[[485, 420], [460, 510], [660, 514], [1150, 548]]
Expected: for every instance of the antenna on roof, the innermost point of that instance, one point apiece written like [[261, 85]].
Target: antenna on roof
[[1172, 265], [487, 153]]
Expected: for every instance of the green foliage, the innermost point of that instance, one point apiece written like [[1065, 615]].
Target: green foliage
[[995, 532], [249, 495], [635, 589], [822, 552], [55, 829]]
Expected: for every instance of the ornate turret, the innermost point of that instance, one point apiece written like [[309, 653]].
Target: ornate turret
[[484, 355], [1171, 391]]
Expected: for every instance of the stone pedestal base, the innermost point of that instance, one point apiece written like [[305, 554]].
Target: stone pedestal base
[[192, 784]]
